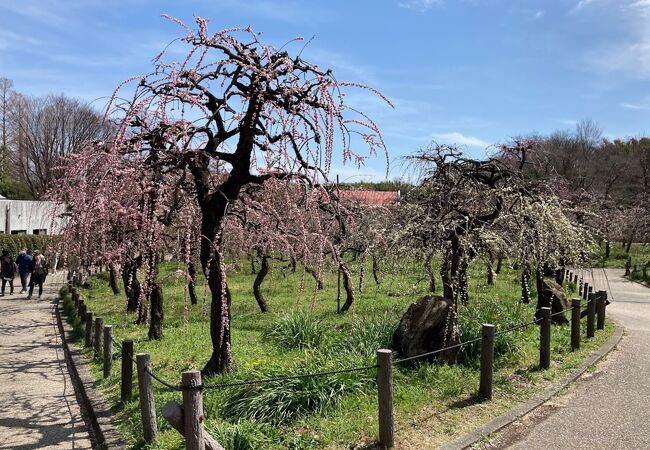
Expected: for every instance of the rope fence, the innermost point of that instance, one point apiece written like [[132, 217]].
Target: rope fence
[[192, 387]]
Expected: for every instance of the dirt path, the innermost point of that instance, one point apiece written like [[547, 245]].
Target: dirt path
[[38, 408], [607, 409]]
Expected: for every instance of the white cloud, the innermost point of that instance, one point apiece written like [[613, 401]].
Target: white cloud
[[582, 3], [460, 139], [630, 53], [635, 106], [540, 13], [420, 5]]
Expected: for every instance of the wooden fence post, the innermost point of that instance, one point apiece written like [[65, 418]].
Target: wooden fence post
[[82, 311], [75, 298], [147, 403], [385, 391], [126, 385], [575, 279], [580, 288], [108, 350], [487, 361], [602, 304], [88, 332], [545, 338], [591, 315], [575, 323], [99, 325], [193, 409], [585, 291]]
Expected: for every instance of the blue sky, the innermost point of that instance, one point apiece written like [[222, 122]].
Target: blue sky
[[471, 72]]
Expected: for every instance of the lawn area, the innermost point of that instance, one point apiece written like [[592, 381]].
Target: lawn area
[[639, 253], [303, 333]]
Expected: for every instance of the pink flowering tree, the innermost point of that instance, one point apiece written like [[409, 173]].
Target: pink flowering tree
[[233, 113]]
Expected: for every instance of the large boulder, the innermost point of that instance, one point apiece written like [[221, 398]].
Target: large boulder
[[555, 296], [424, 328]]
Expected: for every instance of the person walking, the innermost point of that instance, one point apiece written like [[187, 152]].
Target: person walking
[[8, 268], [24, 262], [38, 272]]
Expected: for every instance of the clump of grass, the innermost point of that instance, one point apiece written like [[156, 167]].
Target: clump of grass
[[297, 332], [501, 313], [248, 435], [364, 337], [279, 402]]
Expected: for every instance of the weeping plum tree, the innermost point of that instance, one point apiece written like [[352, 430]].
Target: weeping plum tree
[[236, 112]]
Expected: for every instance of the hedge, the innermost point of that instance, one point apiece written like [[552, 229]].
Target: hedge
[[15, 242]]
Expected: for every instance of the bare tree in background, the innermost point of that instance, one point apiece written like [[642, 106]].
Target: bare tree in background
[[6, 92], [47, 129]]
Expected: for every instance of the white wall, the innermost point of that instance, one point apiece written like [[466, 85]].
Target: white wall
[[28, 215]]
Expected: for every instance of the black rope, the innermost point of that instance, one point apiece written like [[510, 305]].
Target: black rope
[[516, 327], [287, 377], [174, 387], [561, 312], [423, 355]]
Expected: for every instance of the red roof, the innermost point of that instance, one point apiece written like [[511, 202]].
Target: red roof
[[372, 198]]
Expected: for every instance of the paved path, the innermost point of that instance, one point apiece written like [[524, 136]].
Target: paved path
[[609, 409], [38, 408]]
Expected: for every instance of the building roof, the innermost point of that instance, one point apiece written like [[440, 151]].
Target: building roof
[[372, 198]]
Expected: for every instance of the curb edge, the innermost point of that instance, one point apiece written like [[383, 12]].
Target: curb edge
[[549, 392], [104, 433]]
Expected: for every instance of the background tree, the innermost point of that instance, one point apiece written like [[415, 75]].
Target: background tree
[[45, 131]]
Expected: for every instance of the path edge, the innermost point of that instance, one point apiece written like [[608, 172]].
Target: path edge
[[549, 392], [105, 435]]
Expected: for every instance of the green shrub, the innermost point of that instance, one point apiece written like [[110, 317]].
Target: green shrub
[[501, 313], [365, 336], [279, 402], [15, 242], [297, 332]]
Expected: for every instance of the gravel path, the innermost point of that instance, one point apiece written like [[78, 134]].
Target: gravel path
[[607, 409], [38, 405]]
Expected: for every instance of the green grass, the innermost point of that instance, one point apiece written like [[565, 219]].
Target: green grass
[[639, 253], [303, 333]]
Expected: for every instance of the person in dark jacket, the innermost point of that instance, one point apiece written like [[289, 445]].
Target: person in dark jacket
[[24, 261], [38, 272], [9, 269]]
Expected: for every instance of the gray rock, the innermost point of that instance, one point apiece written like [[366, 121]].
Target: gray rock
[[557, 298], [424, 328]]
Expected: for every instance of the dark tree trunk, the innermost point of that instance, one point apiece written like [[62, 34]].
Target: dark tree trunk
[[362, 278], [542, 301], [463, 284], [429, 271], [317, 277], [221, 358], [490, 273], [253, 270], [375, 270], [112, 278], [447, 282], [348, 285], [191, 272], [157, 315], [259, 279], [131, 284], [499, 263], [608, 249], [630, 239]]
